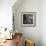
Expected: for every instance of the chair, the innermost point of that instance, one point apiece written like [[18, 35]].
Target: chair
[[29, 43]]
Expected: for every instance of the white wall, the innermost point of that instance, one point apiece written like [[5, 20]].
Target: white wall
[[43, 22], [38, 33], [33, 33], [6, 13]]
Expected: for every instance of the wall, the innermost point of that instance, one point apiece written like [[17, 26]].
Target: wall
[[6, 13], [33, 33], [43, 22]]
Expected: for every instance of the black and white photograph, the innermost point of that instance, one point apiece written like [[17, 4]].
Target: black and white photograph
[[28, 18]]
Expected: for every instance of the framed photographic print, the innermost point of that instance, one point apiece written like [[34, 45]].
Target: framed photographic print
[[28, 19]]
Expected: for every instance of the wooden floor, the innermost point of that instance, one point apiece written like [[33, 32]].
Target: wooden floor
[[9, 43], [17, 37]]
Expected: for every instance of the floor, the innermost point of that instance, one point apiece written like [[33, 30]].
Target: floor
[[9, 43], [16, 41]]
